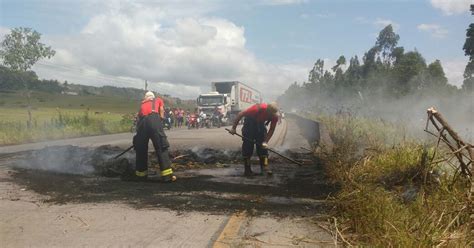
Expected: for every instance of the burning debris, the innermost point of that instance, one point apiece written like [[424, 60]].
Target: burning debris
[[100, 161], [76, 160], [205, 156]]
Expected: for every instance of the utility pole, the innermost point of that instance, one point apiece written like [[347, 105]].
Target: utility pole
[[146, 85]]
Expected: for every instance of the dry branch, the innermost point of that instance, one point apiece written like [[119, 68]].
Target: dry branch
[[463, 151], [459, 149]]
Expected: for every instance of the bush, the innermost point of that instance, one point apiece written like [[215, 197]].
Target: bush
[[390, 193]]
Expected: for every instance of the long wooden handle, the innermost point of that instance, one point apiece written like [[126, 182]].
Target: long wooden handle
[[269, 149], [122, 153]]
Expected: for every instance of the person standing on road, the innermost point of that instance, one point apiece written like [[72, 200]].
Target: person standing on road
[[150, 126], [176, 112], [181, 117], [171, 116], [254, 129]]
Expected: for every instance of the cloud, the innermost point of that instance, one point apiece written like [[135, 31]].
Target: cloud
[[304, 16], [317, 15], [325, 15], [454, 70], [382, 23], [282, 2], [434, 29], [452, 7], [178, 55]]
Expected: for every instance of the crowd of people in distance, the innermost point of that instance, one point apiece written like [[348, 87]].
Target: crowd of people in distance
[[178, 117]]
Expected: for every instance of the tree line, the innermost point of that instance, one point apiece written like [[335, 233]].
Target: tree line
[[14, 81], [385, 71]]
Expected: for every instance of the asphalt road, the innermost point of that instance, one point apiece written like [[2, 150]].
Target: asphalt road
[[205, 208], [179, 138]]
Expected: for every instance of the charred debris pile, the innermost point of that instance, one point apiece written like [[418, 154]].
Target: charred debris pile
[[100, 161]]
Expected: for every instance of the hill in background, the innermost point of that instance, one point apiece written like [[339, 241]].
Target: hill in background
[[12, 85]]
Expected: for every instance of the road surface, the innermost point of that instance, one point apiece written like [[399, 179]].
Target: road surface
[[205, 208], [180, 138]]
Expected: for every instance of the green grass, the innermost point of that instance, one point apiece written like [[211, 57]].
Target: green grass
[[42, 102], [62, 116], [391, 196]]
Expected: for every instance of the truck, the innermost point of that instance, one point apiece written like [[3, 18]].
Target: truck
[[230, 98]]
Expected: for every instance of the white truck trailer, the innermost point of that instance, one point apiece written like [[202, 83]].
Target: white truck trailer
[[230, 98]]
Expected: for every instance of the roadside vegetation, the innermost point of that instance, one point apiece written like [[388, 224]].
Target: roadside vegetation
[[58, 116], [395, 191], [62, 125], [391, 192], [62, 116]]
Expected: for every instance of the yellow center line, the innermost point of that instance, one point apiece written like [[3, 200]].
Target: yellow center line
[[231, 230]]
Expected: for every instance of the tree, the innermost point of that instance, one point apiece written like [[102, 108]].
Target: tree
[[369, 61], [436, 78], [317, 72], [315, 77], [386, 42], [436, 72], [340, 61], [468, 84], [397, 54], [20, 50], [409, 66]]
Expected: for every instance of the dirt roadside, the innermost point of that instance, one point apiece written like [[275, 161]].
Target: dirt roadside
[[47, 209]]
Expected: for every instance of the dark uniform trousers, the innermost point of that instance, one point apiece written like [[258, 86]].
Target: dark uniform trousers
[[151, 127], [255, 131]]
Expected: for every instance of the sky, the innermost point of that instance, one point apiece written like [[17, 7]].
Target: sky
[[181, 46]]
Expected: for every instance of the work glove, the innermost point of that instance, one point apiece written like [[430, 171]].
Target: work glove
[[264, 145], [233, 131]]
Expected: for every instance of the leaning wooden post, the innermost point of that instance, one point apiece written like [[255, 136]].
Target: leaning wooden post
[[461, 145]]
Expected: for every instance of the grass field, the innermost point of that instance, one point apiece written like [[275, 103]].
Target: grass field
[[42, 101], [62, 116]]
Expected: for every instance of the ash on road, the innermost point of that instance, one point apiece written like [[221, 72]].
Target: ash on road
[[41, 205]]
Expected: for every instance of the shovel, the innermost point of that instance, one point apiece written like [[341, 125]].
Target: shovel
[[122, 153], [269, 149], [130, 148]]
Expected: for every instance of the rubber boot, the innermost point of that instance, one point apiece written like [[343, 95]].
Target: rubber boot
[[264, 167], [167, 176], [247, 168], [134, 176], [169, 179]]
